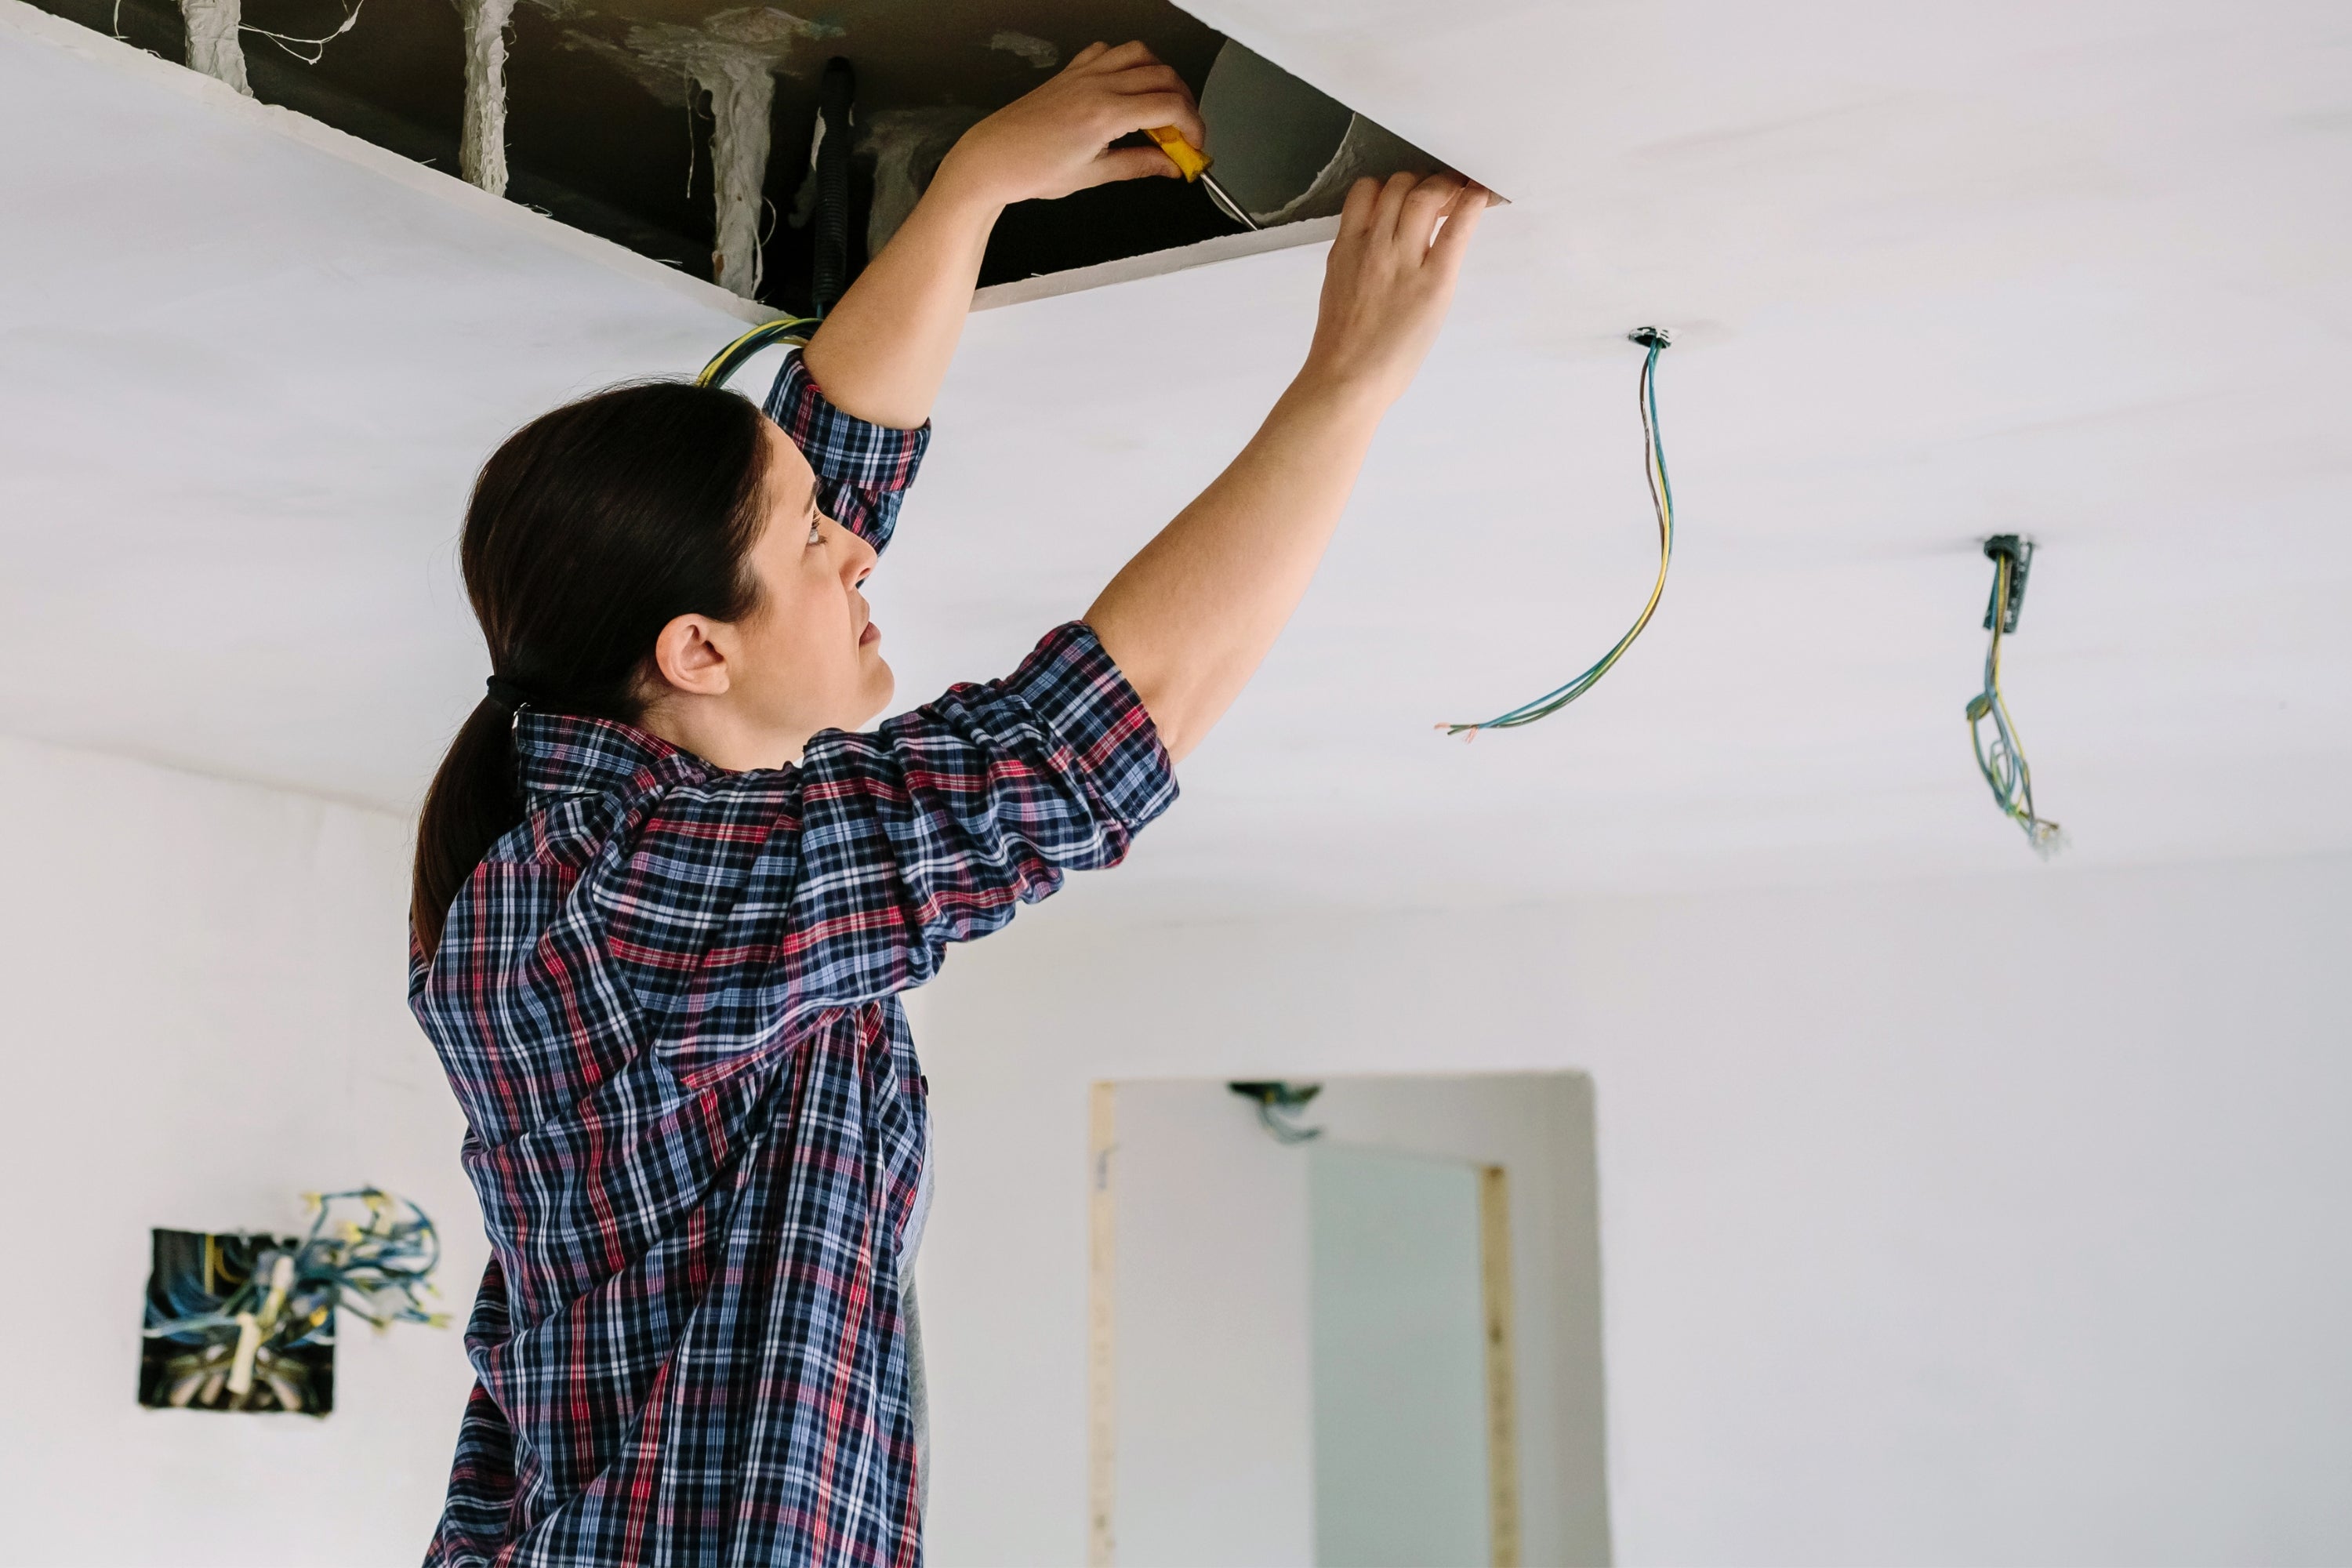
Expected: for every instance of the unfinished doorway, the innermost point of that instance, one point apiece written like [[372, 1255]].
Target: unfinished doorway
[[1376, 1344]]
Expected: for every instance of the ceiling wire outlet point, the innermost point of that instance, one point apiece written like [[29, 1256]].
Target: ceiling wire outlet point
[[2001, 755], [1651, 337], [2017, 551], [1279, 1105]]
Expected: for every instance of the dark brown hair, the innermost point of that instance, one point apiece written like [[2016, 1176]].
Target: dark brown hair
[[591, 529]]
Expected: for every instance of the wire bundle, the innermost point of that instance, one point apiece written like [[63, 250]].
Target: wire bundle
[[1661, 498], [2002, 758], [1279, 1105], [240, 1346], [791, 330]]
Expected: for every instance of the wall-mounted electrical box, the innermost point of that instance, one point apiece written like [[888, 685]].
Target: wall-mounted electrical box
[[189, 1363], [237, 1320]]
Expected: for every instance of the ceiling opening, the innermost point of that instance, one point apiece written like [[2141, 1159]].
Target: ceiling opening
[[685, 130]]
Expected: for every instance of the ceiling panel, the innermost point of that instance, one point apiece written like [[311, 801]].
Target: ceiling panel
[[2080, 274]]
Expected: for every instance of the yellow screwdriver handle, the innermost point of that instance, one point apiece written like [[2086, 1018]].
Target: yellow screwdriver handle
[[1180, 153]]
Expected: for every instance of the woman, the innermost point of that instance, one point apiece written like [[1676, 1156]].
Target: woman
[[666, 893]]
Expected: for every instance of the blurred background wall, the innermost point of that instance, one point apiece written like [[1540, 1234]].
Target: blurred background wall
[[1989, 1221], [205, 1016]]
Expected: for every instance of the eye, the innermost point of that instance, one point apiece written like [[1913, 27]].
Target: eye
[[817, 532]]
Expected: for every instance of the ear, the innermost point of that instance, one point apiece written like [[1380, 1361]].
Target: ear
[[691, 654]]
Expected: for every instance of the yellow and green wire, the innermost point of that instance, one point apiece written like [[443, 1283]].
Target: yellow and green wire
[[2002, 758], [795, 330], [1661, 498]]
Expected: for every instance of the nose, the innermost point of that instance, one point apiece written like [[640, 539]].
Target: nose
[[861, 559]]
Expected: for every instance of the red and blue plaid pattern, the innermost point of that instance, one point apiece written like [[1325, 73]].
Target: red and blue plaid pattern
[[668, 1003]]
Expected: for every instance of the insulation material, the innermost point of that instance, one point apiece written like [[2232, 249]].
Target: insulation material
[[734, 58], [1041, 54], [907, 146], [740, 93], [213, 47], [482, 145]]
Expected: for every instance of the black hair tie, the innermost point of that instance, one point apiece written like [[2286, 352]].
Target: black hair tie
[[507, 695]]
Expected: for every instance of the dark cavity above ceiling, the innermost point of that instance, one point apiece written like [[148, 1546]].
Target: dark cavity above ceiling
[[604, 135]]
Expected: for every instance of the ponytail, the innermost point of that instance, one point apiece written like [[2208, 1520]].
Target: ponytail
[[590, 530], [473, 803]]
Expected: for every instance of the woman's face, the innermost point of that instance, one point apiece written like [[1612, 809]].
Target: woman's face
[[812, 654]]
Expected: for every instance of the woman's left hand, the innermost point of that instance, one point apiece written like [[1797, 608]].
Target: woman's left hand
[[1056, 139]]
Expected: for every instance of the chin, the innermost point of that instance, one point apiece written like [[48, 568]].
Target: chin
[[880, 687]]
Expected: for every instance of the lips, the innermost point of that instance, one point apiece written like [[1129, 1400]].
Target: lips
[[870, 635]]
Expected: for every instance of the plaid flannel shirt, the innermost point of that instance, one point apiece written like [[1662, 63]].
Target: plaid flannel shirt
[[668, 1003]]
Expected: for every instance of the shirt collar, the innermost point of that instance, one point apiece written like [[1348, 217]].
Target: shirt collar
[[562, 753]]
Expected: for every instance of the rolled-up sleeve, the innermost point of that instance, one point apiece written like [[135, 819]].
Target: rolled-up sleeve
[[744, 900], [863, 471], [934, 827]]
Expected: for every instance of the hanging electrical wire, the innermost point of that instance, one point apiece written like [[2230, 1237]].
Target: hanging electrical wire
[[1661, 498], [791, 330], [317, 46], [1279, 1105], [2001, 757]]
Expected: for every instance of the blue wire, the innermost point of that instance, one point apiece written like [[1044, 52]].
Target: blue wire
[[1662, 496]]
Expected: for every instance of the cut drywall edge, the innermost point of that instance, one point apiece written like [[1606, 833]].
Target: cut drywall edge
[[80, 40], [1154, 264], [449, 188], [77, 40]]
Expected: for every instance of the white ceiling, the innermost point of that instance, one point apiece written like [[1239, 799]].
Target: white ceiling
[[2081, 272]]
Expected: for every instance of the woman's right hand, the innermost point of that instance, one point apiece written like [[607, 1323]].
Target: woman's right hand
[[1388, 280], [883, 348], [1058, 138]]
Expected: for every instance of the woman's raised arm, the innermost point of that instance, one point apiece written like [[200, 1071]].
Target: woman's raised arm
[[1189, 619], [885, 346]]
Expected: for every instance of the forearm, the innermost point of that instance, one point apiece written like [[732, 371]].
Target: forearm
[[1190, 617], [885, 345], [883, 348]]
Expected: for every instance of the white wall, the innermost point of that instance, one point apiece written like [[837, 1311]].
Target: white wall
[[1214, 1402], [203, 1001], [1991, 1221], [1994, 1221]]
